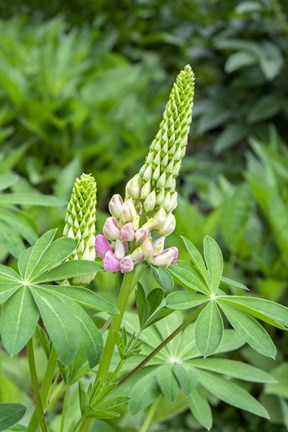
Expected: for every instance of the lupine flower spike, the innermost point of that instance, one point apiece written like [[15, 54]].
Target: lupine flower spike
[[138, 226], [80, 221]]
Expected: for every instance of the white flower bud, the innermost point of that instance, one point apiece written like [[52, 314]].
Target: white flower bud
[[150, 202], [161, 181], [133, 187], [115, 205], [145, 191], [128, 211], [168, 226], [148, 173]]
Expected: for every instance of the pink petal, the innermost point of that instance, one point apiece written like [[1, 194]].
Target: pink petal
[[102, 246], [126, 264], [127, 232], [111, 263], [111, 229]]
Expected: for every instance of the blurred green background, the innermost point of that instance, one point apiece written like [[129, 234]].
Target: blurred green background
[[83, 85]]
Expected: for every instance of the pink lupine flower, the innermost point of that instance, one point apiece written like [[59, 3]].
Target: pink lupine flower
[[158, 245], [111, 229], [102, 246], [126, 264], [127, 232], [175, 254], [168, 226], [111, 263], [165, 258]]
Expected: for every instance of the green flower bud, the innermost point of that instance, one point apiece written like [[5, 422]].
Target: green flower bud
[[80, 221], [163, 161]]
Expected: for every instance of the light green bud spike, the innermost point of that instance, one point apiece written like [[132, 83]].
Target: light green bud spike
[[163, 161], [80, 221]]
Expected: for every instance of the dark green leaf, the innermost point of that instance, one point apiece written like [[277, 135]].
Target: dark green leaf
[[154, 300], [84, 296], [232, 394], [7, 288], [254, 334], [197, 261], [143, 393], [18, 320], [186, 275], [233, 368], [184, 300], [38, 251], [266, 310], [234, 284], [163, 277], [200, 408], [209, 329], [56, 252], [69, 270], [32, 199], [62, 328], [10, 414], [167, 382], [214, 261]]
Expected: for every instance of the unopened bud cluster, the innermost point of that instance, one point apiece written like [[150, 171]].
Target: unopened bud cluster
[[154, 186], [126, 243], [80, 221]]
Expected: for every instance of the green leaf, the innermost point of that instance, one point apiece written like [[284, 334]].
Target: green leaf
[[56, 252], [266, 310], [232, 394], [200, 408], [69, 270], [187, 276], [38, 251], [7, 289], [197, 261], [168, 382], [239, 60], [18, 224], [209, 329], [59, 322], [266, 106], [32, 199], [214, 261], [23, 261], [13, 243], [233, 368], [254, 334], [18, 320], [186, 376], [90, 337], [234, 284], [280, 387], [8, 273], [7, 180], [154, 300], [143, 393], [84, 296], [163, 277], [113, 402], [141, 304], [184, 300], [10, 414]]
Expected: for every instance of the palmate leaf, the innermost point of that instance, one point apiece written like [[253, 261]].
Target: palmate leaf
[[214, 261], [68, 270], [184, 300], [198, 261], [143, 393], [168, 382], [37, 252], [186, 275], [7, 289]]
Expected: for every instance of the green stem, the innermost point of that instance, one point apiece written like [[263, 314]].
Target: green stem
[[150, 415], [162, 345], [48, 377], [128, 283], [35, 386], [117, 370], [64, 409]]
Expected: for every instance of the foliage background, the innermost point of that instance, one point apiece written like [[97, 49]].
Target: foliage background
[[82, 88]]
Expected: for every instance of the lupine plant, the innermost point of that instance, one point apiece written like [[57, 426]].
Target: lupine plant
[[158, 350]]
